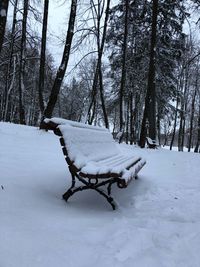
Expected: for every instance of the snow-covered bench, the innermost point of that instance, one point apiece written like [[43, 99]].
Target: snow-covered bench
[[152, 143], [93, 157]]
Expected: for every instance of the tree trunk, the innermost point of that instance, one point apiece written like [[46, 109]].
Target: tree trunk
[[127, 121], [196, 150], [43, 56], [131, 119], [158, 127], [10, 84], [92, 107], [22, 64], [182, 114], [182, 104], [166, 133], [175, 122], [63, 66], [101, 89], [184, 122], [3, 18], [123, 73], [192, 118], [150, 100], [100, 53]]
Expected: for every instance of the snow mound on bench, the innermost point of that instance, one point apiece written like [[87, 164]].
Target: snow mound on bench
[[94, 151]]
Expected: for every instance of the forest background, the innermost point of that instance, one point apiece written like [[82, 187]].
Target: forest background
[[131, 66]]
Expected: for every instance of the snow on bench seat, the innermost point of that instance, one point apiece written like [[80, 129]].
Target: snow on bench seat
[[113, 169]]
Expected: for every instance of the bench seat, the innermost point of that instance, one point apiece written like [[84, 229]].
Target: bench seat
[[93, 157], [121, 166]]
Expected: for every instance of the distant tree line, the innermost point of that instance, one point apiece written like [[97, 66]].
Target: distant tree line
[[139, 75]]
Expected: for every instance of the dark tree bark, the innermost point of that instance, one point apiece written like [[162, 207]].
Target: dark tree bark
[[175, 123], [63, 66], [123, 73], [43, 56], [192, 118], [196, 150], [22, 63], [3, 18], [131, 119], [10, 84], [92, 107], [182, 114], [184, 122], [150, 100], [180, 133], [101, 89], [127, 121], [100, 53], [158, 127], [166, 133]]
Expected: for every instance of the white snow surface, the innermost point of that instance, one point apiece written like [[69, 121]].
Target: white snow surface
[[157, 223]]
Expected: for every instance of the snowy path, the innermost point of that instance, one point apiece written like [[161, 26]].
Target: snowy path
[[157, 223]]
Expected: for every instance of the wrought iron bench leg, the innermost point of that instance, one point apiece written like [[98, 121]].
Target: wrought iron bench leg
[[72, 190]]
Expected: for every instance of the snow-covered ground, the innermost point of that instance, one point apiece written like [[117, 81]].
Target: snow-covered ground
[[157, 223]]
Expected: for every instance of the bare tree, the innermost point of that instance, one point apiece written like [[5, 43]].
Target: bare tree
[[98, 76], [63, 66]]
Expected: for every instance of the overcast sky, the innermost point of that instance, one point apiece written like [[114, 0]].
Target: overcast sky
[[58, 19], [57, 28]]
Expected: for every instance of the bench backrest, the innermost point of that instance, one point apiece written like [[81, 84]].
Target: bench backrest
[[152, 142], [87, 143]]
